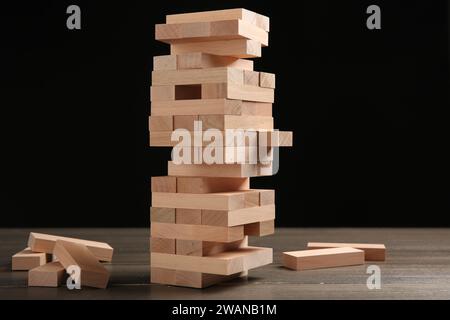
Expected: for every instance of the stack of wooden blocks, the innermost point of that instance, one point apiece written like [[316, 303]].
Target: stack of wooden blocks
[[202, 214]]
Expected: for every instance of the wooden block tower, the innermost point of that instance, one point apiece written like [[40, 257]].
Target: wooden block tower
[[202, 213]]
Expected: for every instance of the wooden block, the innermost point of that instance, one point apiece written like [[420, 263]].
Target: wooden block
[[266, 197], [237, 91], [251, 108], [160, 123], [275, 138], [205, 106], [252, 198], [219, 170], [165, 62], [224, 122], [185, 122], [211, 185], [196, 232], [199, 60], [51, 274], [322, 258], [210, 31], [207, 248], [40, 242], [197, 76], [162, 93], [267, 80], [27, 260], [162, 245], [238, 217], [372, 252], [188, 216], [240, 48], [166, 215], [224, 263], [260, 229], [218, 15], [189, 247], [251, 78], [164, 184]]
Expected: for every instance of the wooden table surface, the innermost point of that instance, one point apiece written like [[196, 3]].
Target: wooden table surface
[[417, 267]]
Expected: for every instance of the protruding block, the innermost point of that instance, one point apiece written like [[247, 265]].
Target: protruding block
[[164, 184], [260, 229], [372, 252], [28, 259], [93, 273], [240, 217], [322, 258], [251, 78], [240, 48], [168, 62], [199, 60], [267, 80], [40, 242], [51, 274]]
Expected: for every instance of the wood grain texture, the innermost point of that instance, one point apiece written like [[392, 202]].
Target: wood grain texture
[[238, 217], [211, 185], [240, 48], [237, 92], [260, 229], [51, 274], [197, 76], [27, 259], [220, 170], [372, 252]]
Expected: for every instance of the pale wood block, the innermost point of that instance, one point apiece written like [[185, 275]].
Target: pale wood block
[[188, 216], [93, 273], [162, 93], [203, 107], [224, 263], [223, 122], [210, 31], [214, 201], [41, 242], [372, 251], [196, 232], [251, 108], [162, 276], [189, 247], [185, 122], [199, 60], [322, 258], [211, 248], [51, 274], [219, 15], [266, 197], [28, 259], [211, 185], [166, 215], [166, 62], [239, 217], [220, 170], [197, 76], [164, 184], [275, 138], [160, 123], [162, 245], [237, 92], [252, 198], [241, 48], [214, 91], [260, 229], [267, 80], [251, 78]]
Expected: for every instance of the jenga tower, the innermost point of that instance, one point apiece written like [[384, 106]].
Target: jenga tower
[[203, 212]]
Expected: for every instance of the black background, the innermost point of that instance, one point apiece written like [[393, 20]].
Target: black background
[[369, 111]]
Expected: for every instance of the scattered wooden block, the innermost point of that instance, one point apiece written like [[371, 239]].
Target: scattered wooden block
[[40, 242], [210, 31], [260, 229], [224, 122], [220, 170], [251, 78], [51, 274], [28, 259], [188, 216], [211, 185], [224, 263], [164, 184], [162, 93], [237, 92], [197, 76], [240, 48], [372, 252], [196, 232], [199, 60], [93, 273], [238, 217], [322, 258], [160, 123], [267, 80], [162, 245], [166, 62], [185, 122], [218, 15]]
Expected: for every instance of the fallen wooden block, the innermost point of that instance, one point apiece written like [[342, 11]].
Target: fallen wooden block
[[260, 229], [220, 170], [28, 259], [217, 15], [238, 217], [224, 263], [196, 232], [322, 258], [372, 252], [197, 76], [93, 273], [51, 274], [241, 48], [200, 60], [210, 31], [211, 185], [237, 91], [40, 242]]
